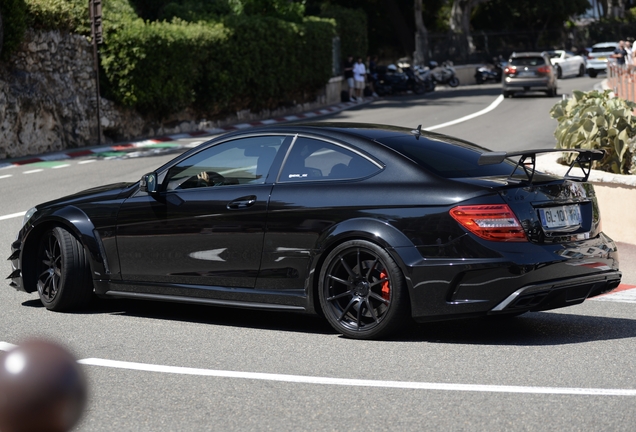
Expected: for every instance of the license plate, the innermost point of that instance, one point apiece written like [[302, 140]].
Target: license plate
[[563, 217], [525, 74], [601, 58]]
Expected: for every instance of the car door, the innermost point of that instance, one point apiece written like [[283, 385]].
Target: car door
[[318, 186], [205, 227]]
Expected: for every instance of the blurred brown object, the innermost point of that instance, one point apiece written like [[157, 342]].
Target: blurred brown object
[[42, 388]]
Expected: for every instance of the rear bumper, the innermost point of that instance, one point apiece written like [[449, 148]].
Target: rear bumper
[[524, 277], [519, 84]]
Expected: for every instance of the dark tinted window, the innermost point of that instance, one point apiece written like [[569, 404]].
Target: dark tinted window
[[241, 161], [609, 49], [453, 159], [527, 61], [311, 159]]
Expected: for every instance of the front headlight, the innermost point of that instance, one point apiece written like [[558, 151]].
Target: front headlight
[[28, 215]]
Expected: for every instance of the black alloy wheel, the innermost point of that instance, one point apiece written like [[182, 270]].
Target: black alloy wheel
[[559, 72], [581, 70], [64, 279], [362, 291]]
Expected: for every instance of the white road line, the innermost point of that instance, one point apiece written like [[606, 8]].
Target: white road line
[[13, 215], [357, 382], [486, 110], [33, 171], [6, 176], [86, 161], [61, 166], [627, 296]]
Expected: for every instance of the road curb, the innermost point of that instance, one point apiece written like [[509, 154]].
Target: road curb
[[125, 146]]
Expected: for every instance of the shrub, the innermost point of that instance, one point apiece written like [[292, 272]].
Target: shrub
[[64, 15], [596, 120], [351, 26], [14, 21]]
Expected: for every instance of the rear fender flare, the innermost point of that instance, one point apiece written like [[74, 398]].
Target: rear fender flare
[[373, 230]]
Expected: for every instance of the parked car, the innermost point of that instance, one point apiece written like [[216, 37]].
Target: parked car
[[599, 56], [568, 63], [529, 71], [368, 225]]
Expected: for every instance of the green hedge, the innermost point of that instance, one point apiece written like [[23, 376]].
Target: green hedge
[[352, 29], [244, 62]]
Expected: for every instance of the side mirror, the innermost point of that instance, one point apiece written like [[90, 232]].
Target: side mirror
[[149, 183]]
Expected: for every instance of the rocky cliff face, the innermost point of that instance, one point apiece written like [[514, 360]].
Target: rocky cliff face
[[47, 98]]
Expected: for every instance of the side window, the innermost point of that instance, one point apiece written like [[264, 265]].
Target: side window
[[236, 162], [311, 159]]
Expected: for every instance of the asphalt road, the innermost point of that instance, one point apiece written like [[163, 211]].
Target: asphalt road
[[226, 369]]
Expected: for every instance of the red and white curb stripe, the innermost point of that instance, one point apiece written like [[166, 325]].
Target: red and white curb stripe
[[169, 138], [623, 294]]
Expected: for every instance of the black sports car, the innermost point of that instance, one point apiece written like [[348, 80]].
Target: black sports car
[[369, 225]]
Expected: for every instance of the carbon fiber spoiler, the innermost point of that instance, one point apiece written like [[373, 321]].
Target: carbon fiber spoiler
[[528, 160]]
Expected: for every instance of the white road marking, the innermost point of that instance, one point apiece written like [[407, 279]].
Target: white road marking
[[13, 215], [61, 166], [302, 379], [33, 171], [86, 161], [486, 110], [6, 176]]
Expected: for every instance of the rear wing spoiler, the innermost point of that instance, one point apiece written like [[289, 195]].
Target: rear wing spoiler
[[528, 161]]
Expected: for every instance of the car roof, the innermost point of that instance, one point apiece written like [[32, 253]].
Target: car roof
[[527, 54], [605, 45]]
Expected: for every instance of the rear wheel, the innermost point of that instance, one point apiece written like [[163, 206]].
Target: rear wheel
[[559, 72], [64, 278], [453, 82], [507, 94], [362, 291], [581, 70], [592, 73]]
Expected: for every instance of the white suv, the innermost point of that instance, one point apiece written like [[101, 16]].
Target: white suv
[[599, 56]]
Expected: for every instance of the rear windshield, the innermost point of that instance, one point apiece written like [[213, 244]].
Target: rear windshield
[[527, 61], [449, 158], [609, 49]]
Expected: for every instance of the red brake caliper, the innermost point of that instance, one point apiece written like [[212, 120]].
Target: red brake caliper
[[386, 289]]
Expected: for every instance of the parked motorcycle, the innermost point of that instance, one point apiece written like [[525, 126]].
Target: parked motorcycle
[[444, 73], [490, 72], [391, 79]]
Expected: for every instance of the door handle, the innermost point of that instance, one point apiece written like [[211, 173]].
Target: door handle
[[241, 203]]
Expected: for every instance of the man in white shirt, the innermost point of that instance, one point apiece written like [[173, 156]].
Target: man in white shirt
[[359, 74]]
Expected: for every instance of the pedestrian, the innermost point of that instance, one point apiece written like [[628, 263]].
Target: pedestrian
[[348, 75], [359, 75], [620, 54], [628, 48], [372, 71]]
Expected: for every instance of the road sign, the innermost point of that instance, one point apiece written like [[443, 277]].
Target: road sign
[[95, 7]]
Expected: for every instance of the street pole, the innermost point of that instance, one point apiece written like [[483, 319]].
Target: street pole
[[95, 9]]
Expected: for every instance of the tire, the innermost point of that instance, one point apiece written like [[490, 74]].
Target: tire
[[592, 73], [453, 82], [581, 70], [362, 291], [64, 280], [507, 94], [559, 72]]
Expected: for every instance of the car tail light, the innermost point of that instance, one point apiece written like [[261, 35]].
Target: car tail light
[[544, 70], [510, 70], [491, 222]]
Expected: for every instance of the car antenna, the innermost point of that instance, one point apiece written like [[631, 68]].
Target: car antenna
[[417, 132]]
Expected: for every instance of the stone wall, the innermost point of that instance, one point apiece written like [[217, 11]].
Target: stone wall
[[47, 102]]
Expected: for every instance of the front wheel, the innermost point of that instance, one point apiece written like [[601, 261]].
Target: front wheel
[[581, 70], [64, 278], [453, 82], [592, 73], [362, 291]]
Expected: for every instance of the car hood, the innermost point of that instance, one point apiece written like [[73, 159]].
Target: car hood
[[111, 191]]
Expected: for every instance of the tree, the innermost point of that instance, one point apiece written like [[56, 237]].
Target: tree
[[461, 12], [421, 35]]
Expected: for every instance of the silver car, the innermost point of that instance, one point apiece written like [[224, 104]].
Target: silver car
[[529, 71], [599, 56]]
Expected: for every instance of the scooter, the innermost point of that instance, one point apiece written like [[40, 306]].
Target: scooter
[[491, 72], [444, 74]]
